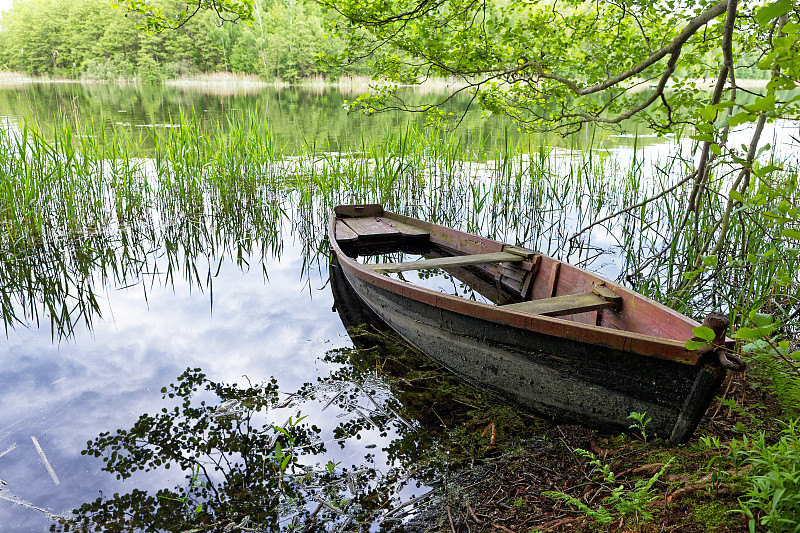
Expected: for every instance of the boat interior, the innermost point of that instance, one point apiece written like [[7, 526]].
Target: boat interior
[[508, 276]]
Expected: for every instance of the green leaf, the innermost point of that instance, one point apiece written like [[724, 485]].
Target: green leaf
[[710, 260], [693, 345], [763, 171], [772, 11], [779, 83], [736, 195], [761, 320], [741, 118], [704, 332], [791, 233], [755, 346], [708, 114], [764, 103], [747, 333]]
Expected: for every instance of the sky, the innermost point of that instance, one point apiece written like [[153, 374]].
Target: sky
[[5, 4]]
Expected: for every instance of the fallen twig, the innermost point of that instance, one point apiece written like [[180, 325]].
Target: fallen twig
[[563, 522], [472, 514], [8, 449], [406, 504], [311, 519], [648, 469], [450, 518]]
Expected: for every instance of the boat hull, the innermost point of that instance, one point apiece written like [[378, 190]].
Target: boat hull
[[556, 378], [584, 369]]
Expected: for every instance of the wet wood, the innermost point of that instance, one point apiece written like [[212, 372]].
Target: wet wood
[[344, 234], [607, 294], [363, 210], [527, 254], [371, 228], [446, 262], [569, 304]]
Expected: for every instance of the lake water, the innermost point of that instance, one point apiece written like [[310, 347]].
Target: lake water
[[244, 304], [297, 117]]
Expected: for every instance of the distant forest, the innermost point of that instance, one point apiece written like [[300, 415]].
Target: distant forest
[[89, 39]]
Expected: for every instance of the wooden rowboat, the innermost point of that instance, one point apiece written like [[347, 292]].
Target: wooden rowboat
[[560, 341]]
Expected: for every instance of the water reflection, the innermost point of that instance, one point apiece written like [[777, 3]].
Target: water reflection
[[299, 117], [226, 446]]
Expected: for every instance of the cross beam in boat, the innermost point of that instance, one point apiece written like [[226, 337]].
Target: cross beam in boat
[[570, 304], [447, 262]]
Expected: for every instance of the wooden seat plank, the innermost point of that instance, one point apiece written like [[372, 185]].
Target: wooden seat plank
[[344, 234], [371, 228], [446, 262], [406, 230], [569, 304]]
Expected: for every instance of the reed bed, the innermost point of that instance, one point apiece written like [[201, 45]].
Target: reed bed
[[79, 203]]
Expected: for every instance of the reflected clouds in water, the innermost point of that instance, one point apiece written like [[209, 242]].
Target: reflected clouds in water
[[66, 393]]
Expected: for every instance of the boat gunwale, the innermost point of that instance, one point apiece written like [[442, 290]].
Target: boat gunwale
[[626, 341]]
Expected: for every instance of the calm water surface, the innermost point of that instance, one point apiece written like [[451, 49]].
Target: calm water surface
[[242, 312], [298, 118]]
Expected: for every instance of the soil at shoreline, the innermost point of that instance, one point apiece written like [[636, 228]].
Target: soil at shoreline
[[505, 493]]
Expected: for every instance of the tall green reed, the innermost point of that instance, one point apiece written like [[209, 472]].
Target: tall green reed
[[202, 182]]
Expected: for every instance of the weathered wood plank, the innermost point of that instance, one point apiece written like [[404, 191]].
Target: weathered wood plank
[[364, 210], [568, 304], [528, 254], [344, 234], [406, 230], [446, 262], [608, 294], [371, 228]]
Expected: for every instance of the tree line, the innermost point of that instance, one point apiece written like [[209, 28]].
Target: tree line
[[93, 39]]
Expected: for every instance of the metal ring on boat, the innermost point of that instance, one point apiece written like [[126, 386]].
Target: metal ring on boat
[[730, 361]]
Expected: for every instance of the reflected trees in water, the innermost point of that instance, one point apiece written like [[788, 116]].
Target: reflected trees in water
[[245, 463]]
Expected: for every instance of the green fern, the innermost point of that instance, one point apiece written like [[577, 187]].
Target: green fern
[[629, 503]]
